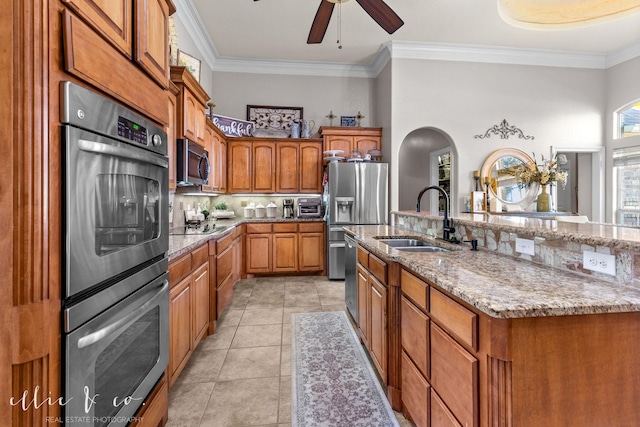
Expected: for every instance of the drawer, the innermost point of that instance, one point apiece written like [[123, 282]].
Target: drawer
[[415, 393], [224, 266], [378, 268], [455, 318], [311, 227], [414, 288], [440, 415], [285, 227], [237, 232], [259, 228], [199, 256], [415, 335], [223, 243], [179, 269], [363, 258], [454, 376]]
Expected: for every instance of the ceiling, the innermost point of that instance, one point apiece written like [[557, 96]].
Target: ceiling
[[237, 33]]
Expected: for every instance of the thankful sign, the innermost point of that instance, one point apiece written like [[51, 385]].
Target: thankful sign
[[233, 127]]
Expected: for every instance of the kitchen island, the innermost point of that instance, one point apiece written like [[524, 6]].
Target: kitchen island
[[484, 338]]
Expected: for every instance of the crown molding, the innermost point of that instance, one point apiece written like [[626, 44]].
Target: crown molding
[[188, 14]]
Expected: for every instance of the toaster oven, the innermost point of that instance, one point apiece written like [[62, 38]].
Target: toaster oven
[[310, 207]]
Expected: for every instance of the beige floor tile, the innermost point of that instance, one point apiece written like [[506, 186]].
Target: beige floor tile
[[285, 360], [203, 367], [187, 403], [220, 340], [265, 301], [284, 412], [257, 336], [254, 362], [337, 307], [286, 334], [288, 311], [301, 300], [230, 317], [262, 316], [246, 402]]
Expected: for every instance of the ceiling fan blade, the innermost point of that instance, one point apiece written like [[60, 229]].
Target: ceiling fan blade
[[382, 14], [320, 22]]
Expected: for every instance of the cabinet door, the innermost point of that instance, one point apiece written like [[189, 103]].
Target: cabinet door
[[415, 392], [415, 335], [179, 327], [339, 142], [111, 18], [189, 109], [215, 157], [200, 123], [310, 165], [288, 169], [224, 279], [263, 168], [285, 250], [363, 304], [366, 143], [171, 135], [208, 145], [378, 340], [259, 252], [152, 39], [200, 302], [239, 167], [311, 251], [223, 165]]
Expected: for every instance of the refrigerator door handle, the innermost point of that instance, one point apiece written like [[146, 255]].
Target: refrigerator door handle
[[358, 201]]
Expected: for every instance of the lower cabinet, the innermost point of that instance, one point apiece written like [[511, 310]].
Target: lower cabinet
[[155, 411], [372, 309], [188, 307], [228, 267], [439, 370], [288, 247]]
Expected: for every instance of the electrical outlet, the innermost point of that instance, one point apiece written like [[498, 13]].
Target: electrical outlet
[[525, 246], [601, 263], [243, 204]]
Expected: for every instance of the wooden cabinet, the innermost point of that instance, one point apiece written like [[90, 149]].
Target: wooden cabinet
[[433, 360], [155, 411], [372, 308], [228, 253], [288, 247], [192, 100], [311, 241], [114, 21], [298, 167], [215, 142], [188, 307], [347, 139], [260, 165], [172, 94]]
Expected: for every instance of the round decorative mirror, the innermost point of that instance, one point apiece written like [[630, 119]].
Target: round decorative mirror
[[504, 186]]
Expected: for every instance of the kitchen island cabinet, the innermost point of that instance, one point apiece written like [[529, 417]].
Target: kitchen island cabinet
[[486, 341]]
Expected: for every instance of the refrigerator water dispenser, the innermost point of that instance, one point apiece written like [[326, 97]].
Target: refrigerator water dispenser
[[345, 209]]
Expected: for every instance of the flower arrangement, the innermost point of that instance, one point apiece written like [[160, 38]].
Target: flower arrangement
[[544, 173]]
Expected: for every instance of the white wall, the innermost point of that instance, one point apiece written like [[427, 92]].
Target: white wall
[[558, 106], [186, 44], [232, 92]]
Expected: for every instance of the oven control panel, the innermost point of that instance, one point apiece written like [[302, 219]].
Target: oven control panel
[[132, 131]]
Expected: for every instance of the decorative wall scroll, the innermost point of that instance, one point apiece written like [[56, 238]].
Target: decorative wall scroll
[[504, 130], [267, 117]]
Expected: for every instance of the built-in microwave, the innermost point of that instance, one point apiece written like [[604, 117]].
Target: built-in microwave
[[193, 163]]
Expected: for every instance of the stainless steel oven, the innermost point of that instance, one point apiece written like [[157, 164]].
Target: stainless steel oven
[[115, 359], [116, 185], [116, 229]]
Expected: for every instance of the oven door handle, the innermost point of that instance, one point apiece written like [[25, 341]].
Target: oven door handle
[[113, 150], [98, 335]]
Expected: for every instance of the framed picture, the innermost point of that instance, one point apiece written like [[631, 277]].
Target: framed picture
[[192, 64], [272, 117], [348, 121], [478, 201]]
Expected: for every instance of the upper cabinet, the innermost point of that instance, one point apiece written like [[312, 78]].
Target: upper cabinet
[[172, 94], [192, 105], [147, 42], [216, 145], [152, 26], [348, 139], [260, 165]]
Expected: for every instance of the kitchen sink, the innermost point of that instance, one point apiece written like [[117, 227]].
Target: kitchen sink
[[403, 243], [412, 245], [424, 249]]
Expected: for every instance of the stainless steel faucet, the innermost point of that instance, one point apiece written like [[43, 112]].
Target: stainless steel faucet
[[447, 226]]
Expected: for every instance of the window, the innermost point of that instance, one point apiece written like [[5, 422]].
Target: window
[[628, 120]]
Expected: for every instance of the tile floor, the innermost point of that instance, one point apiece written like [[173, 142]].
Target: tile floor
[[241, 375]]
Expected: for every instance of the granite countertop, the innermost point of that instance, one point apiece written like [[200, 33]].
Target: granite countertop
[[180, 244], [501, 286]]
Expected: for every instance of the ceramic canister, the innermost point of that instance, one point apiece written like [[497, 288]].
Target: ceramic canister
[[260, 211]]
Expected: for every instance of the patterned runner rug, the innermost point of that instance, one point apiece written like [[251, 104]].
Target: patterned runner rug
[[333, 384]]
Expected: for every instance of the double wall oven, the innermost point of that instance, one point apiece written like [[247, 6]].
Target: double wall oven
[[116, 290]]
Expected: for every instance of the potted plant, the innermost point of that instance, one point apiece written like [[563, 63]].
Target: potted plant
[[221, 206], [205, 213]]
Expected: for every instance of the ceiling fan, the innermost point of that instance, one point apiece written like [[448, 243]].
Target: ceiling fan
[[377, 9]]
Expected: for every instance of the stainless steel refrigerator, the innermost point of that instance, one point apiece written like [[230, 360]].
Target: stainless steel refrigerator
[[357, 194]]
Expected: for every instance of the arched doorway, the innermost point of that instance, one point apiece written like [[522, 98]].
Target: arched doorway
[[422, 162]]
